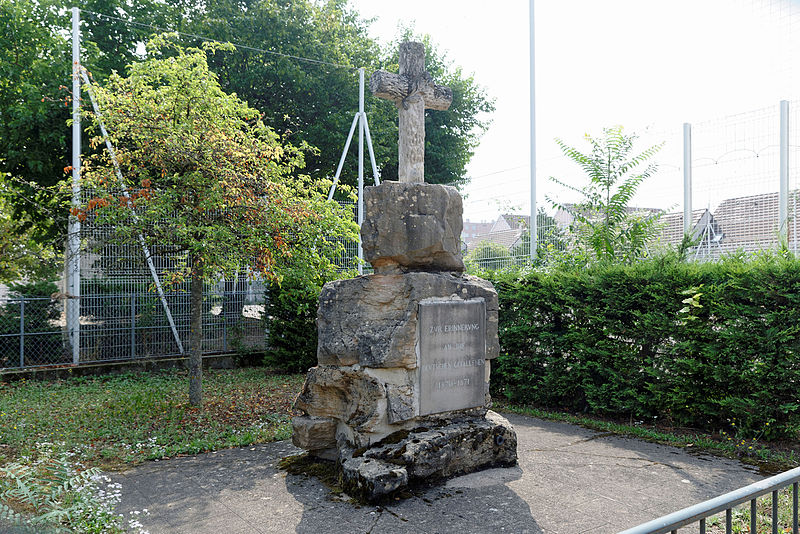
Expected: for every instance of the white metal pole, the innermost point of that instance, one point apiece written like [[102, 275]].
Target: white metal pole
[[783, 198], [344, 155], [360, 165], [533, 225], [375, 175], [687, 178], [74, 228]]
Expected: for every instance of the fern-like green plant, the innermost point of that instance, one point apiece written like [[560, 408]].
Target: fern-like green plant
[[603, 220], [53, 495]]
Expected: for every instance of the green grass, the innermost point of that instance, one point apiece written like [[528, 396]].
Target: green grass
[[767, 456], [118, 420]]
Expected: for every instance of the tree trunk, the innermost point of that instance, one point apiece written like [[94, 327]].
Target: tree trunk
[[196, 323], [233, 299]]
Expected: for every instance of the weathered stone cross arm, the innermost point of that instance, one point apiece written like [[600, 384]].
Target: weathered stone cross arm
[[391, 86], [413, 91]]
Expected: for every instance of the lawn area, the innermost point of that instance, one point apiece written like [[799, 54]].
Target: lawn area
[[116, 421]]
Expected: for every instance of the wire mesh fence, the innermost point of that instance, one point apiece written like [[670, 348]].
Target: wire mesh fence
[[116, 325], [734, 192], [130, 306], [32, 333]]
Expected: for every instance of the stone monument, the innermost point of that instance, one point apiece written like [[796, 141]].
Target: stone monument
[[400, 394]]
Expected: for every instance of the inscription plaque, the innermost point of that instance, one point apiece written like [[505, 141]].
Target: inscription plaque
[[452, 354]]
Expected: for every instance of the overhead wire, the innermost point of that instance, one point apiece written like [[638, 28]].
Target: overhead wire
[[212, 40]]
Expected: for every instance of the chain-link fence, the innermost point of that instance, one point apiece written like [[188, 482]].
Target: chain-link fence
[[116, 325], [32, 333]]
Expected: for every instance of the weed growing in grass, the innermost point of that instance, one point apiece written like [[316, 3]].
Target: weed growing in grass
[[53, 493], [740, 516]]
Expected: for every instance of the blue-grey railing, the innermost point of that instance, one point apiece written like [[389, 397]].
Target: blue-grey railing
[[700, 512]]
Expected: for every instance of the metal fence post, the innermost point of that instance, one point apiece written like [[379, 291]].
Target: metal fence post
[[22, 333], [360, 166], [533, 227], [687, 178], [133, 325], [783, 199], [73, 239]]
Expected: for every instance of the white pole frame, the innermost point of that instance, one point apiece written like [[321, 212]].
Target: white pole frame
[[145, 249], [73, 275], [534, 237], [360, 118], [360, 167], [783, 197]]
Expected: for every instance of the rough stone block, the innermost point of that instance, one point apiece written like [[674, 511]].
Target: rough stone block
[[453, 449], [399, 403], [368, 479], [412, 226], [372, 320], [314, 433], [345, 395], [429, 454]]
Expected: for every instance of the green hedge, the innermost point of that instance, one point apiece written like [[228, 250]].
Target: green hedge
[[292, 314], [713, 345]]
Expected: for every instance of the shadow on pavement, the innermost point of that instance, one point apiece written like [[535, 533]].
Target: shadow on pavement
[[475, 503]]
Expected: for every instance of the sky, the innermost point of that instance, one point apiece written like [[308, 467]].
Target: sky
[[646, 65]]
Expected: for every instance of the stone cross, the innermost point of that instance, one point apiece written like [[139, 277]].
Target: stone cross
[[412, 91]]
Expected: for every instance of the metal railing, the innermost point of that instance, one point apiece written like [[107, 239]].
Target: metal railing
[[700, 513]]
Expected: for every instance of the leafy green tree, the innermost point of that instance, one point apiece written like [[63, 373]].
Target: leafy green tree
[[21, 256], [310, 102], [315, 102], [34, 64], [603, 221], [206, 179]]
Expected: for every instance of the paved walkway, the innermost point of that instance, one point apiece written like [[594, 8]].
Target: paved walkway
[[569, 480]]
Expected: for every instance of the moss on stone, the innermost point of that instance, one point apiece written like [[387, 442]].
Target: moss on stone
[[326, 471]]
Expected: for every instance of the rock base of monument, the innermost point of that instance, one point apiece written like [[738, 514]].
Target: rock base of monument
[[400, 392], [427, 455]]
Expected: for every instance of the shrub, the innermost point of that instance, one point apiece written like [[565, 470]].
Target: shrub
[[292, 313], [489, 256], [53, 494], [704, 345]]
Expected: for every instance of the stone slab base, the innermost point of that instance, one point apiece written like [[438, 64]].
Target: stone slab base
[[426, 455]]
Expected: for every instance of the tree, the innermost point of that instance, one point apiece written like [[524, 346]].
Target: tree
[[205, 179], [34, 64], [309, 102], [315, 103], [603, 221], [21, 256]]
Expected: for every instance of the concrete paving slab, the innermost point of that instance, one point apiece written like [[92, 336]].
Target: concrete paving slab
[[569, 480]]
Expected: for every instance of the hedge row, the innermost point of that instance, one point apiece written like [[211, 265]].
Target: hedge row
[[710, 346]]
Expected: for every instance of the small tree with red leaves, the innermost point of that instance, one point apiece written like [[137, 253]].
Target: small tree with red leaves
[[204, 177]]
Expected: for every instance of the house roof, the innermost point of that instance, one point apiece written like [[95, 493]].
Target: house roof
[[749, 223], [672, 226]]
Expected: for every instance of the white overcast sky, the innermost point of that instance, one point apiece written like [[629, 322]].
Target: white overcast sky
[[643, 64]]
